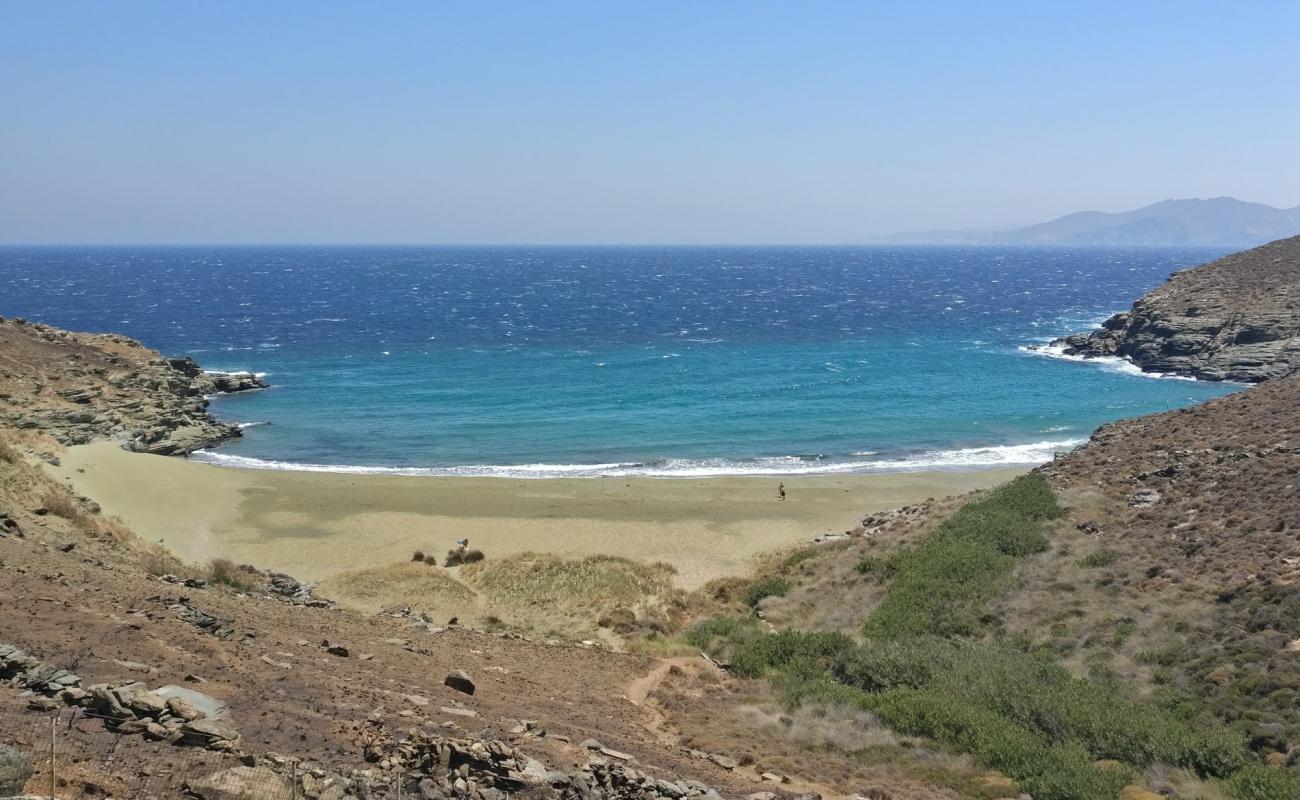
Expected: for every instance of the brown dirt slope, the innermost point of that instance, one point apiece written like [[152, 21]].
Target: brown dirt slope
[[77, 595]]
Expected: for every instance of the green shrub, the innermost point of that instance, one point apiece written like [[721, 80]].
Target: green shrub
[[770, 587], [940, 586], [1258, 782], [722, 632], [880, 566], [751, 652], [1101, 558]]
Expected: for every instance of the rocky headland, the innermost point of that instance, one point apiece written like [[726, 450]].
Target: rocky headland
[[79, 387], [1235, 319]]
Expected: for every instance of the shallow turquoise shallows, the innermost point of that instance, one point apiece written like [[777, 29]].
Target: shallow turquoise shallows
[[594, 361]]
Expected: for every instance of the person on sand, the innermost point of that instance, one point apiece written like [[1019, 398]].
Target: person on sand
[[780, 491]]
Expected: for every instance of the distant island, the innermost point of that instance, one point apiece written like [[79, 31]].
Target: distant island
[[1218, 221]]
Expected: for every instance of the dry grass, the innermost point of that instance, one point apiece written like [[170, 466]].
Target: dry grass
[[62, 504], [114, 529], [426, 589], [227, 573], [9, 454], [571, 596], [158, 560]]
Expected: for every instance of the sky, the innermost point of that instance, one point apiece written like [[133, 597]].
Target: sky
[[620, 122]]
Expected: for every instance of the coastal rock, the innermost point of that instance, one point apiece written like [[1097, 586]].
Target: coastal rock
[[81, 387], [1235, 319]]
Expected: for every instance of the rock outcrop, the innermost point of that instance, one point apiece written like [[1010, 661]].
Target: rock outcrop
[[172, 713], [1235, 319], [79, 387]]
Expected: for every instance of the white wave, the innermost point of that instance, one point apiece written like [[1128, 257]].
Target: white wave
[[1111, 363], [245, 425], [1011, 455], [971, 458]]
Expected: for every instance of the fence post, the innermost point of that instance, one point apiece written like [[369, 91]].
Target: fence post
[[294, 773], [54, 728]]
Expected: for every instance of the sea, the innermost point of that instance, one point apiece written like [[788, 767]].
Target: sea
[[627, 361]]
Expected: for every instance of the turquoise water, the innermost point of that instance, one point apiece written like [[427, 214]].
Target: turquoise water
[[616, 361]]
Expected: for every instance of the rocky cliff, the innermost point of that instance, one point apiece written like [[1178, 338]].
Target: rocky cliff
[[1235, 319], [78, 387]]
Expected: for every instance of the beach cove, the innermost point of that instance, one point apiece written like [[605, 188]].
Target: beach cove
[[318, 525]]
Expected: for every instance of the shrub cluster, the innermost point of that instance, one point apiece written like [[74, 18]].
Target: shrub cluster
[[1101, 558], [769, 587], [940, 586], [457, 557], [1017, 711]]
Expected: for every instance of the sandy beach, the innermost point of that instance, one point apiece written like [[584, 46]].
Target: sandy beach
[[315, 525]]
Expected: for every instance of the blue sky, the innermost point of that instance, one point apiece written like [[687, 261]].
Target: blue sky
[[629, 122]]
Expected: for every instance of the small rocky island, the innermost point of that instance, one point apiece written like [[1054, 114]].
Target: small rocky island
[[1235, 319], [78, 387]]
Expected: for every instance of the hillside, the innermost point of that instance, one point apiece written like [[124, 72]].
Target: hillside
[[1215, 222], [1234, 319], [1131, 606]]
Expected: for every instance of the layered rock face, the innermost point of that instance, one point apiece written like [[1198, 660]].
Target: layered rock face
[[1235, 319], [79, 387]]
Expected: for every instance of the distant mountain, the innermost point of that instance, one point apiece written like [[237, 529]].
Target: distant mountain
[[1217, 221]]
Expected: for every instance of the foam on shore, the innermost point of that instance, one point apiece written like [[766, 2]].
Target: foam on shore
[[963, 459]]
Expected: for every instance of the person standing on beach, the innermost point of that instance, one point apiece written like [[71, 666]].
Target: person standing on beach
[[780, 491]]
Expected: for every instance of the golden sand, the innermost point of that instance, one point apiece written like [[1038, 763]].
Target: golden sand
[[314, 525]]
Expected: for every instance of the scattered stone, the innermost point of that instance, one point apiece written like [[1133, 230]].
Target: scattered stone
[[459, 681], [726, 762], [208, 733], [1144, 498], [335, 649]]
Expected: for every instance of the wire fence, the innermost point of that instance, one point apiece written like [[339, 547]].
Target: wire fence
[[77, 754]]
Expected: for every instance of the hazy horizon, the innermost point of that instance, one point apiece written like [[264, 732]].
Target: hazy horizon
[[589, 124]]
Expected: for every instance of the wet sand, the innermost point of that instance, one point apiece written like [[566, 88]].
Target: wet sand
[[314, 525]]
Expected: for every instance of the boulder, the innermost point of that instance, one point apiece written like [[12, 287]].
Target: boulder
[[459, 681], [207, 733], [241, 783]]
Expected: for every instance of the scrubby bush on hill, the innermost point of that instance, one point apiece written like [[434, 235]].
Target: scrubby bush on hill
[[228, 573], [459, 557], [941, 586], [1015, 709], [770, 587]]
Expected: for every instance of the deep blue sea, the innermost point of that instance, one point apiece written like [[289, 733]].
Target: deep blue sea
[[541, 361]]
